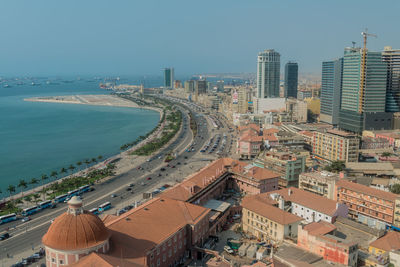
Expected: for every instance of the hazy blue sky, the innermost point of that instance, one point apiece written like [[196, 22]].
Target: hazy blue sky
[[143, 36]]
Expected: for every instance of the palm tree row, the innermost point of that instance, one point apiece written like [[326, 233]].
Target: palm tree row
[[22, 184]]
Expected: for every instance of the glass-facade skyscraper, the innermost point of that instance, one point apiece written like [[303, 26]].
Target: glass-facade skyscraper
[[169, 78], [392, 58], [331, 90], [268, 73], [291, 79]]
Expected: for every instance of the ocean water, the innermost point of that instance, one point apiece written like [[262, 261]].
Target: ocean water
[[38, 138]]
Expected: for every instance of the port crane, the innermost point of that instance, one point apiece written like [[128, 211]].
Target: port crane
[[365, 34]]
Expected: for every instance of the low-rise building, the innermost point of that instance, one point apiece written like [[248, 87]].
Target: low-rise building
[[321, 183], [297, 110], [266, 221], [287, 164], [385, 244], [320, 238], [370, 206], [334, 145], [309, 206]]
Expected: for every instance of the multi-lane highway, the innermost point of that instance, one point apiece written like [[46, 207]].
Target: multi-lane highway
[[152, 173]]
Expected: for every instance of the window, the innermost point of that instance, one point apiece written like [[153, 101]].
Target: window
[[164, 257], [169, 243], [169, 252], [180, 244], [53, 260], [175, 249], [152, 256], [158, 251], [175, 238], [158, 262], [61, 262]]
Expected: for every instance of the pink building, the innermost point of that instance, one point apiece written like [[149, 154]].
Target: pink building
[[320, 238], [252, 138]]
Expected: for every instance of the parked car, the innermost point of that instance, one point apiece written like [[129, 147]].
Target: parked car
[[228, 249], [25, 219], [114, 195], [4, 236], [128, 189]]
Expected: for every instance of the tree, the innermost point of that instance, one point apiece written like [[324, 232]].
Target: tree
[[71, 167], [386, 154], [28, 198], [11, 189], [87, 162], [94, 160], [22, 184], [34, 181], [63, 170], [336, 166], [43, 178], [100, 157], [395, 188], [54, 174], [79, 163]]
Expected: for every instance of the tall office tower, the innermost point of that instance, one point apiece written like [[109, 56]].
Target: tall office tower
[[331, 90], [220, 86], [291, 79], [268, 73], [363, 92], [201, 87], [169, 78], [392, 58], [189, 86]]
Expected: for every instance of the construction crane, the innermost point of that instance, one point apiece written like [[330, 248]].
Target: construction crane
[[365, 34]]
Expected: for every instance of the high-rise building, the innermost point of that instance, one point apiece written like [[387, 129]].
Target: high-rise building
[[168, 78], [331, 89], [363, 99], [201, 87], [392, 58], [189, 86], [268, 74], [220, 86], [291, 79]]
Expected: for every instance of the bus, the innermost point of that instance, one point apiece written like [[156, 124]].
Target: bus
[[95, 211], [30, 211], [8, 218], [61, 198], [84, 189], [104, 206], [45, 204], [73, 193]]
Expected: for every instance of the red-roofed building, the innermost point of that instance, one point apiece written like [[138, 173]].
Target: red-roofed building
[[320, 238]]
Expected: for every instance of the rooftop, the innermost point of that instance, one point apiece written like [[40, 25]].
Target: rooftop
[[366, 190], [265, 209], [307, 199], [388, 242]]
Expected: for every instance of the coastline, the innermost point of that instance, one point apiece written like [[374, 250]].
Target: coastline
[[122, 159]]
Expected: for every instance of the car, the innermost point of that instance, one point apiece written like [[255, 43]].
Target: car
[[4, 236], [186, 157], [128, 189], [143, 183], [228, 249], [148, 178], [114, 195], [162, 169], [131, 185], [25, 219], [178, 163], [173, 166], [148, 160], [159, 174]]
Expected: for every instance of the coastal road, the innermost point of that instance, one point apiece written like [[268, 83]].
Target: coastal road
[[27, 236]]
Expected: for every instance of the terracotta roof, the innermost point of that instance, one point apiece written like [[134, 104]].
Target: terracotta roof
[[102, 260], [73, 232], [307, 199], [108, 217], [388, 242], [265, 209], [306, 133], [250, 171], [366, 190], [341, 133], [141, 229], [319, 228], [251, 138], [249, 126]]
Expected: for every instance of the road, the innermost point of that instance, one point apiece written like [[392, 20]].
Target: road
[[27, 236]]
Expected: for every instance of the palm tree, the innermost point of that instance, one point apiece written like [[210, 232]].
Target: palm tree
[[28, 198], [100, 157], [94, 160], [11, 189], [63, 170], [54, 174], [34, 181], [71, 167], [43, 178], [22, 184], [79, 163], [87, 162]]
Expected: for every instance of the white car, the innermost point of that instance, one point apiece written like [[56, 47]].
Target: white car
[[25, 219]]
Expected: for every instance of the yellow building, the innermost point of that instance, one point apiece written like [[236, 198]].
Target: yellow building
[[265, 221], [334, 145]]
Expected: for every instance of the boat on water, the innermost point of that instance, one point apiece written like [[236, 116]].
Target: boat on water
[[6, 86], [35, 84]]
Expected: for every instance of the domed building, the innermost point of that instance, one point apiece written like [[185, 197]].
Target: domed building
[[74, 235]]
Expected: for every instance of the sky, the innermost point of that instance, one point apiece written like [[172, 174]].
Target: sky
[[140, 37]]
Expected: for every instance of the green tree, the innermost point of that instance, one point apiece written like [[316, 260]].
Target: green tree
[[100, 157], [22, 184], [28, 198], [43, 178], [79, 164], [63, 170], [395, 188], [54, 174], [87, 162], [11, 189], [94, 160], [71, 167], [34, 181], [386, 154], [336, 166]]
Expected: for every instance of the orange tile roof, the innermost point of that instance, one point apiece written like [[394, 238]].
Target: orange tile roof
[[307, 199], [141, 229], [319, 228], [307, 133], [388, 242], [265, 209], [366, 190], [102, 260], [244, 169]]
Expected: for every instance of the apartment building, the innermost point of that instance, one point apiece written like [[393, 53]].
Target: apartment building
[[265, 221], [370, 206], [320, 183], [287, 164], [334, 145]]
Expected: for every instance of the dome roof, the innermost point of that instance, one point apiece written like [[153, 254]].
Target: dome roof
[[75, 230]]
